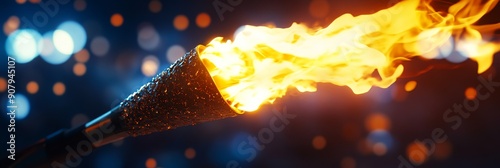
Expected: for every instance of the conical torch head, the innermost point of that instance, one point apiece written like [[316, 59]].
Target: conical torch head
[[184, 94]]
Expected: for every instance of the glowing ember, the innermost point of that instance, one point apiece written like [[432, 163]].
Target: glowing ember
[[262, 63]]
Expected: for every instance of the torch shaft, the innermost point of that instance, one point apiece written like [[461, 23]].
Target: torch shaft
[[64, 148]]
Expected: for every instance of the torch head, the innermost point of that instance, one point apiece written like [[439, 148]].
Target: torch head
[[184, 94]]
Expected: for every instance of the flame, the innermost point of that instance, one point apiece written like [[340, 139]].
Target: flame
[[263, 62]]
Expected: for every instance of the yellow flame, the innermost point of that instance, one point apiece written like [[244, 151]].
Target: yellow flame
[[262, 62]]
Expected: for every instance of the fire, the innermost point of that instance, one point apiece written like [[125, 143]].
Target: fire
[[261, 63]]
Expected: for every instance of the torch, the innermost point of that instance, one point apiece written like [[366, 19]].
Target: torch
[[155, 107]]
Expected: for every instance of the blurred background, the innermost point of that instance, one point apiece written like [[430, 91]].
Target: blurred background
[[80, 58]]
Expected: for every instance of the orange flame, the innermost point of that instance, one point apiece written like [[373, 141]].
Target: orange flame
[[262, 62]]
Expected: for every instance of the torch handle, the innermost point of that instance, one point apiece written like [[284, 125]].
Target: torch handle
[[49, 150], [66, 148]]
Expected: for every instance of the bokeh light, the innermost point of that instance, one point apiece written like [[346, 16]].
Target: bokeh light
[[23, 106], [181, 22], [417, 153], [379, 149], [319, 8], [63, 42], [190, 153], [446, 49], [470, 93], [377, 121], [432, 54], [21, 1], [49, 53], [238, 31], [3, 84], [59, 88], [155, 6], [175, 52], [117, 54], [150, 65], [410, 86], [398, 92], [46, 47], [116, 20], [150, 163], [23, 45], [380, 142], [79, 69], [148, 38], [380, 95], [80, 5], [35, 1], [319, 142], [82, 56], [99, 46], [11, 25], [363, 147], [203, 20], [237, 138], [32, 87], [77, 34]]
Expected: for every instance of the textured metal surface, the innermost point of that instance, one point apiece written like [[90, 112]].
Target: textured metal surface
[[183, 94]]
